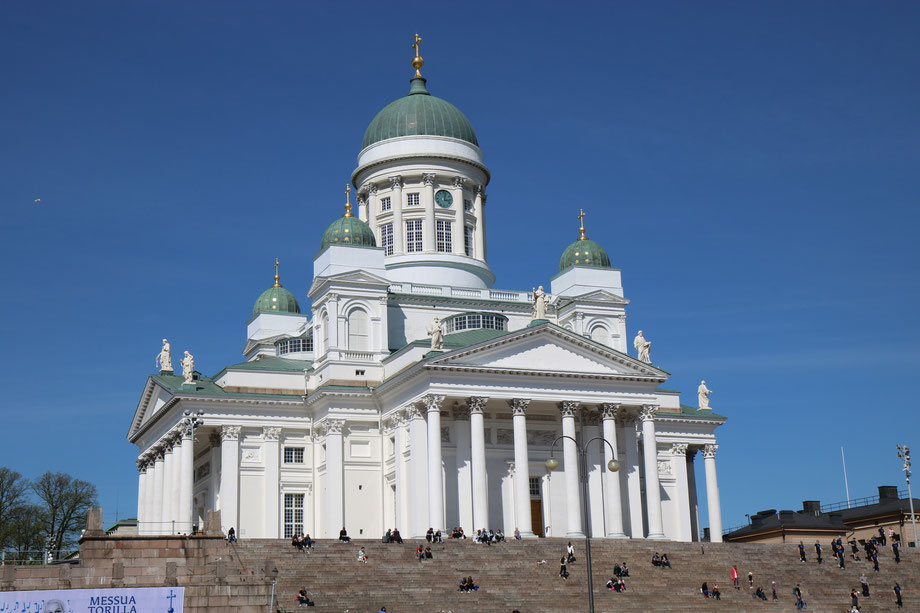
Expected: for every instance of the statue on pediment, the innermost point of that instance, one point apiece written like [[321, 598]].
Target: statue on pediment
[[539, 304], [643, 348], [188, 367], [164, 359], [436, 334], [703, 392]]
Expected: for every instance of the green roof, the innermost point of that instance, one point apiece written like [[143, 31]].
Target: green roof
[[270, 363], [276, 299], [419, 113], [695, 412], [205, 386], [348, 230], [584, 252]]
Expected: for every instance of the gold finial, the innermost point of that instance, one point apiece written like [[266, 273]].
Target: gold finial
[[417, 61], [277, 278], [347, 201], [581, 219]]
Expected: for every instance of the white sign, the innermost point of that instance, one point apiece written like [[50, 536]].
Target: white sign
[[122, 600]]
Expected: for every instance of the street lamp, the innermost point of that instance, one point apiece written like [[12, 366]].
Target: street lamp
[[271, 603], [552, 464], [904, 454]]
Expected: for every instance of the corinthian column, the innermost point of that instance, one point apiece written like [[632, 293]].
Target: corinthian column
[[156, 497], [429, 233], [712, 494], [166, 516], [522, 518], [418, 458], [682, 504], [458, 224], [435, 474], [335, 478], [570, 456], [461, 437], [396, 205], [271, 437], [612, 480], [186, 480], [478, 460], [141, 494], [652, 486], [230, 477], [480, 231]]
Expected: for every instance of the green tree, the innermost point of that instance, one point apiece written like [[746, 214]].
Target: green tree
[[26, 533], [64, 503], [13, 496]]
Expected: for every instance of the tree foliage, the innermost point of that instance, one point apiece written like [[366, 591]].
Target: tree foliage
[[13, 497]]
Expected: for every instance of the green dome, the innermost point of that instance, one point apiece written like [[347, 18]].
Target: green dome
[[419, 113], [584, 252], [276, 299], [348, 230]]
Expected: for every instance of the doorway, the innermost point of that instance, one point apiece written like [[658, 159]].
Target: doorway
[[536, 507]]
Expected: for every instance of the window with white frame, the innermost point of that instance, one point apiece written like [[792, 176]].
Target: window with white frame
[[468, 240], [357, 330], [467, 205], [385, 204], [293, 515], [295, 345], [386, 238], [444, 241], [413, 235], [475, 321], [535, 487], [325, 327], [293, 455], [412, 199]]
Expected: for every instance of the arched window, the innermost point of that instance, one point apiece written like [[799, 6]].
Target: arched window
[[325, 325], [358, 338], [599, 334], [475, 321]]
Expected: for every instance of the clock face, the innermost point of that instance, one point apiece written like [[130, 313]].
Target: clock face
[[444, 199]]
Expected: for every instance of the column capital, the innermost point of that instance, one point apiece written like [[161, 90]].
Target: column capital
[[271, 433], [230, 433], [478, 403], [429, 178], [461, 412], [679, 449], [432, 402], [568, 408], [370, 188], [519, 405], [414, 411], [159, 451], [332, 297], [396, 183], [481, 190], [141, 465], [510, 465], [648, 412], [709, 450], [334, 426], [609, 410], [458, 181]]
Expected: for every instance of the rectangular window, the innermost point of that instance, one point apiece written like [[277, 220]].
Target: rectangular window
[[444, 243], [386, 238], [467, 205], [293, 515], [535, 487], [413, 235], [293, 455], [385, 204], [412, 199], [468, 240]]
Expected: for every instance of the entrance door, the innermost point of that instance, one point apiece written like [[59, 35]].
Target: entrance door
[[536, 516]]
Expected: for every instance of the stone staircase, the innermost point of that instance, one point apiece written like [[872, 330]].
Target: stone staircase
[[510, 576]]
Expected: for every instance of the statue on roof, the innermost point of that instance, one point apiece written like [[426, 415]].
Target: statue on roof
[[436, 334], [188, 367], [164, 358], [539, 304], [703, 392], [643, 348]]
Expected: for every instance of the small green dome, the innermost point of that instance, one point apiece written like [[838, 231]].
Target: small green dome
[[417, 114], [584, 252], [348, 230], [276, 300]]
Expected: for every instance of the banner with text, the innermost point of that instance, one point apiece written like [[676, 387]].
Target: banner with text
[[122, 600]]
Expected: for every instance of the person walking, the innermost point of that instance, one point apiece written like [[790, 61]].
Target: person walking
[[751, 579], [854, 598], [773, 587], [802, 551], [896, 549], [864, 582], [818, 551], [897, 594], [735, 578], [799, 601], [563, 572]]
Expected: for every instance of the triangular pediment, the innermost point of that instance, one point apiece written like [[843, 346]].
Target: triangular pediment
[[353, 277], [154, 398], [549, 349], [600, 295]]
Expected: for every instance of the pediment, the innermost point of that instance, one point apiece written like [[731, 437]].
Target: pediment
[[153, 400], [549, 349], [354, 277], [600, 295]]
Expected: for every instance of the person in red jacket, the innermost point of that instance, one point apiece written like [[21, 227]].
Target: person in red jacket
[[735, 577]]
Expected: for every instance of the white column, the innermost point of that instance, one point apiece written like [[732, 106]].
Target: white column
[[435, 470], [382, 340], [156, 496], [230, 478], [522, 518], [478, 461], [613, 500], [362, 207], [373, 206], [150, 493], [595, 468], [457, 227], [175, 484], [166, 518], [335, 340], [396, 205], [429, 232], [570, 460], [334, 516], [682, 504], [141, 494], [652, 486], [694, 500], [272, 451], [712, 494], [214, 477], [186, 481], [464, 468], [633, 481], [418, 493], [479, 202], [402, 484]]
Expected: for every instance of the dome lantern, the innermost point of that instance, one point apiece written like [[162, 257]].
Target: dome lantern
[[348, 229], [276, 299], [584, 251]]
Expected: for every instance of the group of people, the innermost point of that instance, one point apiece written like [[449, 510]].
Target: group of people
[[392, 536], [303, 598], [302, 542], [710, 593], [467, 585], [423, 554], [616, 584], [661, 561], [433, 536], [489, 536]]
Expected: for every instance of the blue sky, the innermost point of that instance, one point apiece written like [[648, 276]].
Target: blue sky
[[752, 168]]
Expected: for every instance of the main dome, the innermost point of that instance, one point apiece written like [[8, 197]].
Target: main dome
[[419, 114]]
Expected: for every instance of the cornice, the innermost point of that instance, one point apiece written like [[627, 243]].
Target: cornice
[[368, 168]]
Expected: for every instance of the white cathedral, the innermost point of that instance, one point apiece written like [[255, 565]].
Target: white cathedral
[[413, 395]]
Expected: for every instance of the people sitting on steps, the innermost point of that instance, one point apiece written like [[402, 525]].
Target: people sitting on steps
[[343, 535], [759, 593], [231, 535], [303, 599], [362, 555]]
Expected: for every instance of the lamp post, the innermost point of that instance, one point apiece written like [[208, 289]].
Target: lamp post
[[271, 603], [904, 454], [552, 464]]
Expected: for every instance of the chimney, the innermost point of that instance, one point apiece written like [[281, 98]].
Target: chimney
[[887, 493], [811, 506]]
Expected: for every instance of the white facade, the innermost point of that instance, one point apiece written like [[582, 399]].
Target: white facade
[[346, 416]]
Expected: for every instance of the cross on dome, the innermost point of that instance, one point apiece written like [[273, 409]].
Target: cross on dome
[[581, 219], [277, 278], [417, 61]]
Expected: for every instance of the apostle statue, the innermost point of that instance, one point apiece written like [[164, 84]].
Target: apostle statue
[[188, 367], [539, 304], [164, 359], [643, 348], [436, 334], [703, 392]]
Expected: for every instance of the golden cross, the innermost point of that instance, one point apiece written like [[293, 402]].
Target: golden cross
[[418, 39], [277, 278], [581, 219], [417, 61], [348, 201]]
